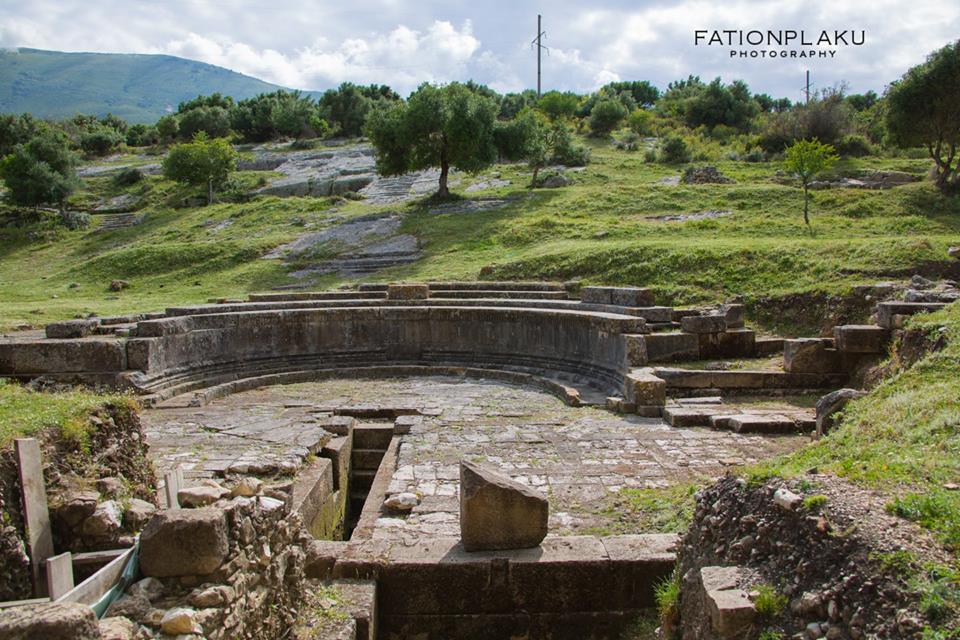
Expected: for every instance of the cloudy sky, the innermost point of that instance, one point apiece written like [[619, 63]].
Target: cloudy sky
[[318, 44]]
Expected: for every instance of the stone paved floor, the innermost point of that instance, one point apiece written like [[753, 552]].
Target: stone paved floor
[[577, 456]]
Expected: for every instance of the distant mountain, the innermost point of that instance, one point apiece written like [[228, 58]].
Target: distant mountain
[[136, 87]]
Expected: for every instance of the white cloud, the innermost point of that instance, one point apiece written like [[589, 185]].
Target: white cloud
[[403, 43]]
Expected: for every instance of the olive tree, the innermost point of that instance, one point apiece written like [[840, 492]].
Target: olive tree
[[445, 126], [805, 159], [201, 162], [40, 171], [923, 110]]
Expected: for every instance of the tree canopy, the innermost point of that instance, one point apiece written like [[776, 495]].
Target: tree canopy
[[923, 110], [446, 126], [40, 171], [201, 162], [805, 159]]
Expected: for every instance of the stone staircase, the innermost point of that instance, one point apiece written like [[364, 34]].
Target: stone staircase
[[114, 221]]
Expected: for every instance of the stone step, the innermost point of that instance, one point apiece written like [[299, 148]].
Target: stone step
[[366, 458], [752, 423], [692, 415], [372, 436], [522, 295]]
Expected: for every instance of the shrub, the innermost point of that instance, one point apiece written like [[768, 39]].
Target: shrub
[[641, 122], [100, 141], [854, 147], [606, 116], [40, 171], [650, 155], [667, 595], [75, 220], [127, 177], [565, 152], [630, 141], [814, 502], [769, 603], [213, 121], [201, 162], [674, 150], [556, 105], [140, 135]]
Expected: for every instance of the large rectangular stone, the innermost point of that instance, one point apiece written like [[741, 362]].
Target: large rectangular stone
[[734, 343], [713, 323], [861, 338], [890, 314], [666, 347], [636, 349], [644, 389], [631, 297], [750, 423], [810, 355]]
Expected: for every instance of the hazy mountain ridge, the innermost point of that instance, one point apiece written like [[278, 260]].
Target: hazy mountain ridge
[[136, 87]]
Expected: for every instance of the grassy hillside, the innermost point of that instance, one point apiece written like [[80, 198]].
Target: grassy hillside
[[603, 228], [138, 88]]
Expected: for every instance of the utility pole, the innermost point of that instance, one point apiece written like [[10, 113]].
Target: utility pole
[[807, 90], [536, 42]]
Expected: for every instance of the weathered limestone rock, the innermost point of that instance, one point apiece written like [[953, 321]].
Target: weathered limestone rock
[[636, 349], [77, 507], [497, 512], [117, 628], [861, 338], [786, 499], [183, 542], [730, 610], [664, 347], [810, 355], [54, 621], [408, 292], [830, 405], [247, 486], [715, 323], [735, 343], [620, 296], [72, 328], [954, 252], [202, 495], [180, 620], [402, 501], [137, 513], [104, 520]]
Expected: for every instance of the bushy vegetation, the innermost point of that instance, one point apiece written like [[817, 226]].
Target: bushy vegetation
[[206, 162]]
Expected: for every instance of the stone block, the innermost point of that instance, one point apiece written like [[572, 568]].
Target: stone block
[[408, 292], [631, 297], [829, 405], [636, 349], [734, 315], [714, 323], [751, 423], [861, 338], [52, 621], [665, 347], [688, 416], [810, 355], [183, 542], [644, 389], [768, 346], [954, 252], [731, 612], [596, 295], [72, 328], [888, 312], [736, 343], [497, 512]]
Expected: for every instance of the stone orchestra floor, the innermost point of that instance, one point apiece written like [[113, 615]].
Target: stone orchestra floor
[[579, 457]]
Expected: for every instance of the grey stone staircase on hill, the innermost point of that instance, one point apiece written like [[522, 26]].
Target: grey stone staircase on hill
[[114, 221]]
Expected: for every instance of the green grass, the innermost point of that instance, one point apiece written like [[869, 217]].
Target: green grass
[[662, 510], [769, 602], [24, 413], [901, 439], [600, 229]]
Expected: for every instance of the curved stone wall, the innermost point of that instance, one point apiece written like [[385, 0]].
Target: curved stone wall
[[188, 352]]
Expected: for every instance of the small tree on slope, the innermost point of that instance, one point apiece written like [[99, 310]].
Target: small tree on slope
[[201, 162], [805, 159]]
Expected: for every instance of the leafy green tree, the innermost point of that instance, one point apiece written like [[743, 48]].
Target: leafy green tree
[[642, 92], [717, 104], [606, 116], [212, 100], [296, 115], [115, 122], [347, 107], [15, 130], [100, 140], [805, 159], [140, 135], [40, 171], [862, 101], [203, 161], [923, 110], [514, 103], [213, 121], [448, 126], [556, 105], [641, 122], [168, 128]]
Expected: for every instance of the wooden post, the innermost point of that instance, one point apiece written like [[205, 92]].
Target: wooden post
[[59, 575], [173, 482], [36, 517]]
